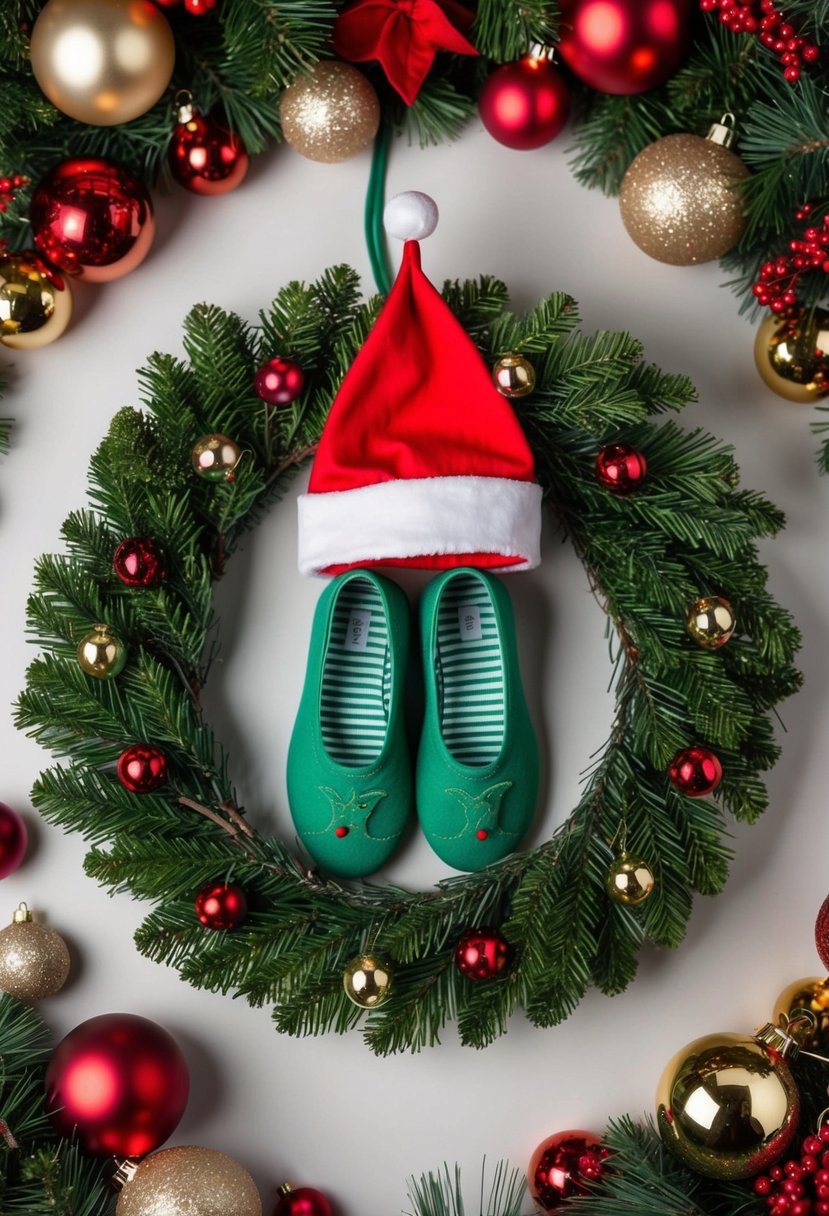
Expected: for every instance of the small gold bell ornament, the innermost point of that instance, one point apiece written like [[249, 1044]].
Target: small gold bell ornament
[[34, 959]]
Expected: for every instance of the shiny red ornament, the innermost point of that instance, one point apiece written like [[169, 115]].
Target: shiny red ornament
[[120, 1083], [695, 771], [564, 1165], [92, 219], [624, 46], [304, 1201], [481, 954], [13, 840], [205, 157], [142, 768], [525, 104], [199, 8], [279, 381], [139, 562], [821, 932], [621, 468], [221, 906]]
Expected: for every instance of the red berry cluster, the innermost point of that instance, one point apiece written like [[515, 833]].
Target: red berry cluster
[[799, 1188], [761, 17], [196, 8], [777, 286], [8, 188]]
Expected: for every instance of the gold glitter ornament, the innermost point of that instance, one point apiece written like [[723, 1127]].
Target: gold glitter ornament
[[514, 376], [189, 1181], [791, 351], [678, 200], [330, 113], [710, 621], [629, 880], [101, 654], [812, 995], [35, 303], [34, 959], [368, 980]]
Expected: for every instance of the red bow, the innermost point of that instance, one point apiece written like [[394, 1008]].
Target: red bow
[[404, 35]]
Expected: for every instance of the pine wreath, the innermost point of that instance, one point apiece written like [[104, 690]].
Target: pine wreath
[[694, 532]]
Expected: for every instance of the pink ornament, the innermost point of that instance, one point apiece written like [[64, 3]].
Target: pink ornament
[[13, 840]]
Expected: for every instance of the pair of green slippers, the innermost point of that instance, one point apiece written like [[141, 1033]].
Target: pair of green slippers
[[350, 784]]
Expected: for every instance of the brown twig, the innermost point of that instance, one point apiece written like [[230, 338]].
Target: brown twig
[[232, 829], [290, 460]]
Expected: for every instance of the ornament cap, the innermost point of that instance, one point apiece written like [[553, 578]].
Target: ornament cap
[[540, 51], [22, 915], [125, 1169], [185, 106], [284, 1189], [723, 132], [778, 1040]]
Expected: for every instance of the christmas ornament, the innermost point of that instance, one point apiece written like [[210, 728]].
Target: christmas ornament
[[695, 771], [101, 653], [621, 468], [525, 104], [35, 302], [279, 381], [812, 995], [410, 215], [304, 1201], [564, 1165], [821, 932], [368, 980], [215, 458], [205, 157], [330, 113], [121, 1081], [139, 562], [221, 905], [791, 352], [481, 954], [92, 219], [794, 1186], [142, 768], [189, 1181], [199, 8], [13, 840], [103, 62], [514, 376], [624, 46], [34, 960], [678, 198], [629, 880], [711, 621]]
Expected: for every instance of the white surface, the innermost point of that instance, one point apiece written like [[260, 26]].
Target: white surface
[[324, 1111]]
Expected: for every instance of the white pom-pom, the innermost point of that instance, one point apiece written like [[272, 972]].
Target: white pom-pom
[[410, 216]]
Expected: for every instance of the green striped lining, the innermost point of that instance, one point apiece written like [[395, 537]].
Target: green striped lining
[[356, 677], [470, 672]]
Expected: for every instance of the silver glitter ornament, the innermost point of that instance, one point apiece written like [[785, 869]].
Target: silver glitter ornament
[[34, 959], [331, 113], [189, 1181]]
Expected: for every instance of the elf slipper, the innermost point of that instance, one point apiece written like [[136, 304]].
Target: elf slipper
[[349, 771], [477, 767]]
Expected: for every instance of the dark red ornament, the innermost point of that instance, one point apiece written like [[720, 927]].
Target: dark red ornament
[[92, 219], [525, 104], [139, 562], [142, 768], [695, 771], [624, 46], [279, 381], [304, 1201], [821, 934], [564, 1165], [621, 468], [13, 840], [205, 157], [199, 8], [120, 1083], [221, 906], [481, 954]]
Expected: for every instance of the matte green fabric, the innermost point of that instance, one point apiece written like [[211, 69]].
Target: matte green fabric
[[350, 786], [477, 765]]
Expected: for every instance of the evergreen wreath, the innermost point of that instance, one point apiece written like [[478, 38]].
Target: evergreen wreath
[[694, 534]]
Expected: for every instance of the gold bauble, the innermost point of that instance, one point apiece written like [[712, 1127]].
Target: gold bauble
[[792, 354], [330, 113], [629, 880], [35, 304], [101, 653], [811, 994], [215, 457], [34, 959], [727, 1107], [102, 62], [368, 980], [710, 621], [514, 376], [189, 1181]]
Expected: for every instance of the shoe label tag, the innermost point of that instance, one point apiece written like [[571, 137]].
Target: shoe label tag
[[356, 635], [469, 620]]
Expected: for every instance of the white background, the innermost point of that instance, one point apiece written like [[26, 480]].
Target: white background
[[325, 1112]]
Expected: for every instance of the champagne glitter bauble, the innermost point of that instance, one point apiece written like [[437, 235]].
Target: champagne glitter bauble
[[624, 46], [101, 654], [514, 376], [791, 352], [812, 995], [35, 303], [189, 1181], [564, 1165], [215, 457], [711, 621], [629, 880], [330, 113], [13, 840], [34, 959], [368, 981]]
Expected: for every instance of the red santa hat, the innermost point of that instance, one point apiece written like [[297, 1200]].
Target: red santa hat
[[422, 462]]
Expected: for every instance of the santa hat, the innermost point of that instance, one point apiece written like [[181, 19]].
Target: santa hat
[[422, 462]]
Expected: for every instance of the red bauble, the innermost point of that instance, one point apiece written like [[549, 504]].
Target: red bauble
[[142, 768], [221, 905], [279, 381], [13, 840], [92, 219], [481, 954], [822, 933], [204, 156], [564, 1165], [621, 468], [695, 771], [624, 46], [139, 562], [525, 104], [304, 1201], [120, 1082], [198, 8]]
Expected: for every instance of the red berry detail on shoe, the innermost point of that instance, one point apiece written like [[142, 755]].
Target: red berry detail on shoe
[[340, 832], [482, 834]]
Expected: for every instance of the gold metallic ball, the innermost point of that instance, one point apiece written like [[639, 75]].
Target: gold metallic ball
[[34, 959], [792, 354], [727, 1107], [711, 621], [35, 305], [330, 113], [811, 994], [368, 980], [101, 653], [514, 376], [629, 880], [102, 62], [677, 200], [189, 1181], [215, 457]]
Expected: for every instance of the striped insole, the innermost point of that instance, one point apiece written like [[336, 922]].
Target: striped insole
[[470, 672], [356, 677]]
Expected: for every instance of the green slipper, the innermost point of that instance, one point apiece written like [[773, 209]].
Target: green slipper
[[349, 771], [477, 767]]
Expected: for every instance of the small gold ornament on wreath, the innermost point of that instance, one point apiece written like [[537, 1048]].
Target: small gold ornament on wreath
[[330, 113], [34, 959], [791, 351]]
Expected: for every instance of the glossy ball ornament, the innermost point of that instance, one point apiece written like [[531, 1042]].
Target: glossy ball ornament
[[279, 381], [35, 302], [727, 1107], [93, 219], [822, 933], [304, 1201], [13, 840], [630, 880], [221, 906], [620, 468], [139, 562], [205, 157], [695, 771], [368, 980], [102, 62], [624, 46], [481, 954], [711, 621], [142, 768], [121, 1081], [525, 104], [514, 376], [34, 959], [812, 995], [564, 1165], [791, 352], [330, 113], [101, 654], [189, 1181], [215, 457]]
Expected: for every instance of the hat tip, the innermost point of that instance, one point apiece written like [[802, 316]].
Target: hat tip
[[410, 216]]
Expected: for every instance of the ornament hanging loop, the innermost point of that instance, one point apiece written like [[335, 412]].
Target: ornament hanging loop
[[723, 132], [184, 105]]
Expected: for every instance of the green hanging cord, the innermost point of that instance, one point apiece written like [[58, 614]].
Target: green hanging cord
[[375, 196]]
